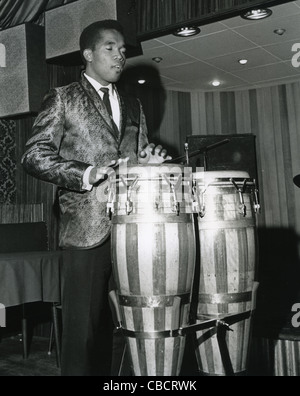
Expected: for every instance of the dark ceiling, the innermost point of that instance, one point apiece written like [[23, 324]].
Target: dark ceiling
[[16, 12], [192, 63]]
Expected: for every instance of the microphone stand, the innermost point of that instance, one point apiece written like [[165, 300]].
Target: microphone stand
[[197, 152], [186, 147], [205, 160]]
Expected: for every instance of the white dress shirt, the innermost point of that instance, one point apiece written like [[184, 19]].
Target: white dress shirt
[[115, 107]]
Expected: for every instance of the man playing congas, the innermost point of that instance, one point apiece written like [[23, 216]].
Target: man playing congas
[[82, 130]]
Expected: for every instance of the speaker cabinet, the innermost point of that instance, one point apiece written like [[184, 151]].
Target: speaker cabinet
[[23, 79], [64, 25], [223, 152]]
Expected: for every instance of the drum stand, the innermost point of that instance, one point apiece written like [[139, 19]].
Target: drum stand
[[221, 328], [220, 325]]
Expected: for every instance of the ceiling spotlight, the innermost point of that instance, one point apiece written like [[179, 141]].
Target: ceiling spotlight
[[243, 61], [187, 31], [157, 59], [280, 32], [141, 82], [216, 83], [256, 14]]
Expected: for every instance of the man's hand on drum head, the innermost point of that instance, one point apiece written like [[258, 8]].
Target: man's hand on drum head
[[153, 155], [100, 173]]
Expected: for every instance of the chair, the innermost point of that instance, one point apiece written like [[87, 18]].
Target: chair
[[23, 237]]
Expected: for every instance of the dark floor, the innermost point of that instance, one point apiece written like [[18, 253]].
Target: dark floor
[[40, 363]]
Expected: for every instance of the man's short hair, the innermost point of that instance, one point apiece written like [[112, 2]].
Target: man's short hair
[[92, 33]]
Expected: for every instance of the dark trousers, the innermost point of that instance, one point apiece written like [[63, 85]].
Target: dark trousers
[[86, 316]]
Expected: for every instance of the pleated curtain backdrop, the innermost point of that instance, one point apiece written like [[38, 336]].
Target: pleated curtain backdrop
[[269, 113]]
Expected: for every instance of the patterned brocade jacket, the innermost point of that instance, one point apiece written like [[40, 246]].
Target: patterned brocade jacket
[[73, 131]]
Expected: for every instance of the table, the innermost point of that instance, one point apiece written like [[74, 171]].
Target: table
[[30, 277]]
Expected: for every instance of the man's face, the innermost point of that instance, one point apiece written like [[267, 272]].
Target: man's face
[[106, 62]]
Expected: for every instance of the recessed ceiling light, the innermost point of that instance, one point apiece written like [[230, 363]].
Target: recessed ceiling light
[[141, 82], [243, 61], [157, 59], [280, 31], [187, 31], [256, 14], [216, 83]]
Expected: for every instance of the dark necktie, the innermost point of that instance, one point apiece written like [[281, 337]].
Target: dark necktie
[[106, 101]]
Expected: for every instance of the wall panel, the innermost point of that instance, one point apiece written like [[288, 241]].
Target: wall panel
[[21, 213], [24, 79], [7, 161]]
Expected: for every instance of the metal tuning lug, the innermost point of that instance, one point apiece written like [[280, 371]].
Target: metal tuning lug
[[199, 201], [241, 190], [129, 207], [201, 204], [157, 204], [256, 199], [176, 205], [173, 186], [129, 203], [110, 200], [195, 204]]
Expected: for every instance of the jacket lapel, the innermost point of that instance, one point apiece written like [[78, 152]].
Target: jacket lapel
[[123, 115], [98, 104]]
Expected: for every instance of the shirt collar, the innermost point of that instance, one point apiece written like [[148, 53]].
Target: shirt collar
[[98, 86]]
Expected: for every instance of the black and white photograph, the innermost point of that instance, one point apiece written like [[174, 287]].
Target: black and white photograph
[[149, 191]]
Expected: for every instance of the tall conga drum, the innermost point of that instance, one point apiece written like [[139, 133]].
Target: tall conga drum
[[153, 255], [227, 205]]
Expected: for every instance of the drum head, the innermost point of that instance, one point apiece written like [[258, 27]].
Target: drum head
[[150, 171], [226, 174]]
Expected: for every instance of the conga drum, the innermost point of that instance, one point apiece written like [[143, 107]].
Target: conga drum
[[153, 257], [227, 205]]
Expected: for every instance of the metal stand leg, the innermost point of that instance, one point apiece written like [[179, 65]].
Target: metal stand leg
[[221, 337], [24, 334], [219, 327], [24, 338], [50, 340], [57, 337], [122, 362]]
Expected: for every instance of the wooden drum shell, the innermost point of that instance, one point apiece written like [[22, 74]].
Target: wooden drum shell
[[227, 259], [153, 255]]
